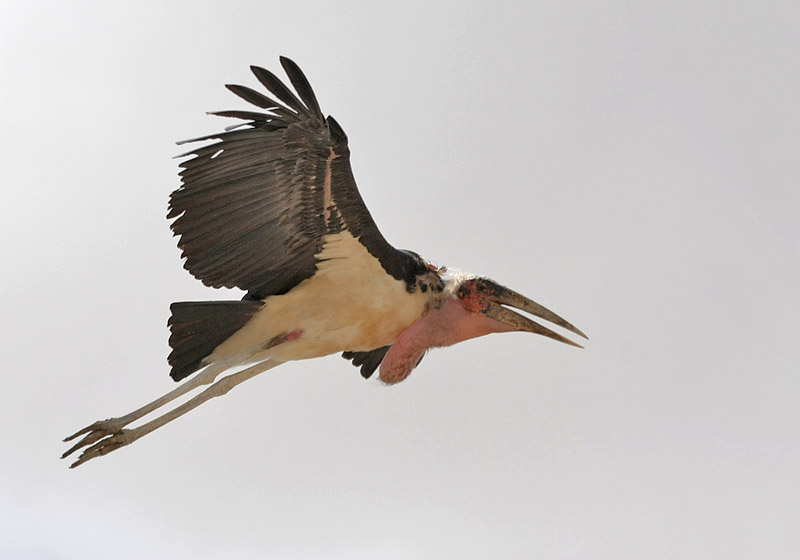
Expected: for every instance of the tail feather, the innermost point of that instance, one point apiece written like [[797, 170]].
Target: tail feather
[[198, 327]]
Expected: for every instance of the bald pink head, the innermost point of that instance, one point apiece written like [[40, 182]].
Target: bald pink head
[[475, 309]]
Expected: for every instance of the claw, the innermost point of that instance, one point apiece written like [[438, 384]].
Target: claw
[[88, 440], [76, 434]]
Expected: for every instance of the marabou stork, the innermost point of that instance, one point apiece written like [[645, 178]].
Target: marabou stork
[[270, 206]]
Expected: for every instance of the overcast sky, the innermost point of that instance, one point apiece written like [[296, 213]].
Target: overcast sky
[[633, 166]]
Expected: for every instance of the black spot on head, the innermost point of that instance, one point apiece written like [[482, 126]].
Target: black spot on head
[[424, 287]]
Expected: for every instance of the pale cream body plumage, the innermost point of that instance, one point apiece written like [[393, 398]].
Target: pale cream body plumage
[[329, 311]]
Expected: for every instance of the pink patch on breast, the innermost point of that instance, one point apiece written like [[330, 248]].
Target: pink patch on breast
[[294, 335]]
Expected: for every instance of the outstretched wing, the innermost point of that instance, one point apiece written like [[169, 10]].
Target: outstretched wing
[[256, 203]]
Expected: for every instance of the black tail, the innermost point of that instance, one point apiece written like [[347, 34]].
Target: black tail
[[198, 327]]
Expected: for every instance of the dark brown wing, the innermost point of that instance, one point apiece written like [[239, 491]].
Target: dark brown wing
[[367, 361], [370, 360], [255, 204]]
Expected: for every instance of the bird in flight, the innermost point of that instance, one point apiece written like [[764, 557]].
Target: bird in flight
[[270, 206]]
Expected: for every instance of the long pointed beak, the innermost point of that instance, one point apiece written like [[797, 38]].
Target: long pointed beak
[[505, 296]]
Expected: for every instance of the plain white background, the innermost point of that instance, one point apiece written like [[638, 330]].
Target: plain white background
[[633, 166]]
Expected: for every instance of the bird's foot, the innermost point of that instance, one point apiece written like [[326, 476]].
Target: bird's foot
[[103, 437], [105, 445]]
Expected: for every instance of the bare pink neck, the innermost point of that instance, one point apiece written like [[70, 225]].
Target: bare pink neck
[[448, 325]]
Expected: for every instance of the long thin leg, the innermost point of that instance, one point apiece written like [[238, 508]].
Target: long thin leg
[[125, 437], [102, 428]]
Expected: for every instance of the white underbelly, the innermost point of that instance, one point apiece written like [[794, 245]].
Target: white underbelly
[[351, 303]]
